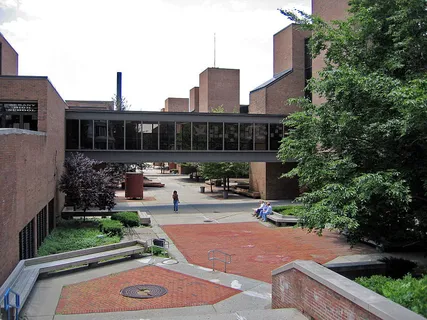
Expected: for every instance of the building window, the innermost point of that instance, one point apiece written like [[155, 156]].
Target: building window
[[26, 242], [19, 115]]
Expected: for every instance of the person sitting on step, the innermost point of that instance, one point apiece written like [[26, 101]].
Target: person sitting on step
[[266, 211], [258, 211]]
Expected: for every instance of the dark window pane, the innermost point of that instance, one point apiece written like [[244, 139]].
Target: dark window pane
[[13, 121], [276, 135], [101, 134], [246, 136], [116, 138], [133, 135], [150, 131], [200, 136], [86, 134], [167, 135], [30, 122], [183, 136], [231, 136], [261, 135], [215, 136], [72, 134]]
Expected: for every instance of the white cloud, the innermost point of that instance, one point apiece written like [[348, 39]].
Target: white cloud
[[160, 46]]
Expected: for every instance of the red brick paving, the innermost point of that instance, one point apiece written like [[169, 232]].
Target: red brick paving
[[255, 249], [103, 294]]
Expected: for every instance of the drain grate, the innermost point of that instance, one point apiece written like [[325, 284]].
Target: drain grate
[[143, 291]]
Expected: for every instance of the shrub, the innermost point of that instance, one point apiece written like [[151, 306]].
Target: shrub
[[287, 210], [128, 219], [409, 292], [397, 268], [111, 227]]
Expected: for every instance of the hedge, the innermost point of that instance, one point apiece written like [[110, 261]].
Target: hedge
[[409, 292], [128, 219]]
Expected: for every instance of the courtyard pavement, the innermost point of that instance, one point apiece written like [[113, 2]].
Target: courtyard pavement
[[195, 291]]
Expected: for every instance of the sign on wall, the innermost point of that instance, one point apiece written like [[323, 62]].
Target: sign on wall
[[18, 107]]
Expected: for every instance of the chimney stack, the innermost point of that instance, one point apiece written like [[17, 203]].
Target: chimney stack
[[119, 91]]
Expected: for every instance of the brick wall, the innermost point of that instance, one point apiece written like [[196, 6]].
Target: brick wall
[[34, 163], [322, 294], [90, 105], [203, 91], [327, 10], [294, 289], [257, 101], [9, 58], [176, 105], [219, 87], [282, 50], [265, 178], [194, 99]]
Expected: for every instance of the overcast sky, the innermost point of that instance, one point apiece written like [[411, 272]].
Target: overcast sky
[[160, 46]]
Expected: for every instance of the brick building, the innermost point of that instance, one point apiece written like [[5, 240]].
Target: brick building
[[32, 139], [291, 70], [176, 105], [219, 87]]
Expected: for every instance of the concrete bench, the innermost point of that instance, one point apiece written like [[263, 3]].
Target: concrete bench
[[281, 220], [144, 218], [25, 274]]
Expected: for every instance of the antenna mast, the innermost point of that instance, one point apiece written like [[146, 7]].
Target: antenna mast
[[214, 50]]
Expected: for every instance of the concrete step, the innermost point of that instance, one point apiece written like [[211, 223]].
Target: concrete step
[[268, 314]]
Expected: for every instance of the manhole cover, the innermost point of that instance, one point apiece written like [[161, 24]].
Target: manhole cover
[[143, 291]]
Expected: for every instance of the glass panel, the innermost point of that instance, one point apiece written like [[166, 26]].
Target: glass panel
[[215, 136], [86, 134], [101, 134], [261, 135], [246, 136], [13, 121], [150, 135], [276, 135], [133, 135], [183, 136], [167, 135], [116, 135], [30, 122], [231, 136], [200, 136], [72, 134]]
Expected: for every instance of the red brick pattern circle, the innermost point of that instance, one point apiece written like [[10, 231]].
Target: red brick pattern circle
[[257, 250], [103, 294]]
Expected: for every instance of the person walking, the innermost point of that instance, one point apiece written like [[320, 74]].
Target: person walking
[[175, 199]]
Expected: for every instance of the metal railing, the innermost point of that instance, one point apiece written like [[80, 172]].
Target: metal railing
[[8, 306], [212, 257]]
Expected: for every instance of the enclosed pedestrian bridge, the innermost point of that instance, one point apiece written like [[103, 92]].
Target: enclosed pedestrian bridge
[[134, 136]]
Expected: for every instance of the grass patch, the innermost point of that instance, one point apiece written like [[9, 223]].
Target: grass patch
[[288, 210], [75, 235]]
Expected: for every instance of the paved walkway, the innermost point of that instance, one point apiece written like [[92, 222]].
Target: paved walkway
[[196, 291], [255, 249]]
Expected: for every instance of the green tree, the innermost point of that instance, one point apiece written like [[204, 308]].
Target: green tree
[[224, 171], [361, 154]]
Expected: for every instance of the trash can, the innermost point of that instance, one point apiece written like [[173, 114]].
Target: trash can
[[159, 242], [225, 194], [202, 189]]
